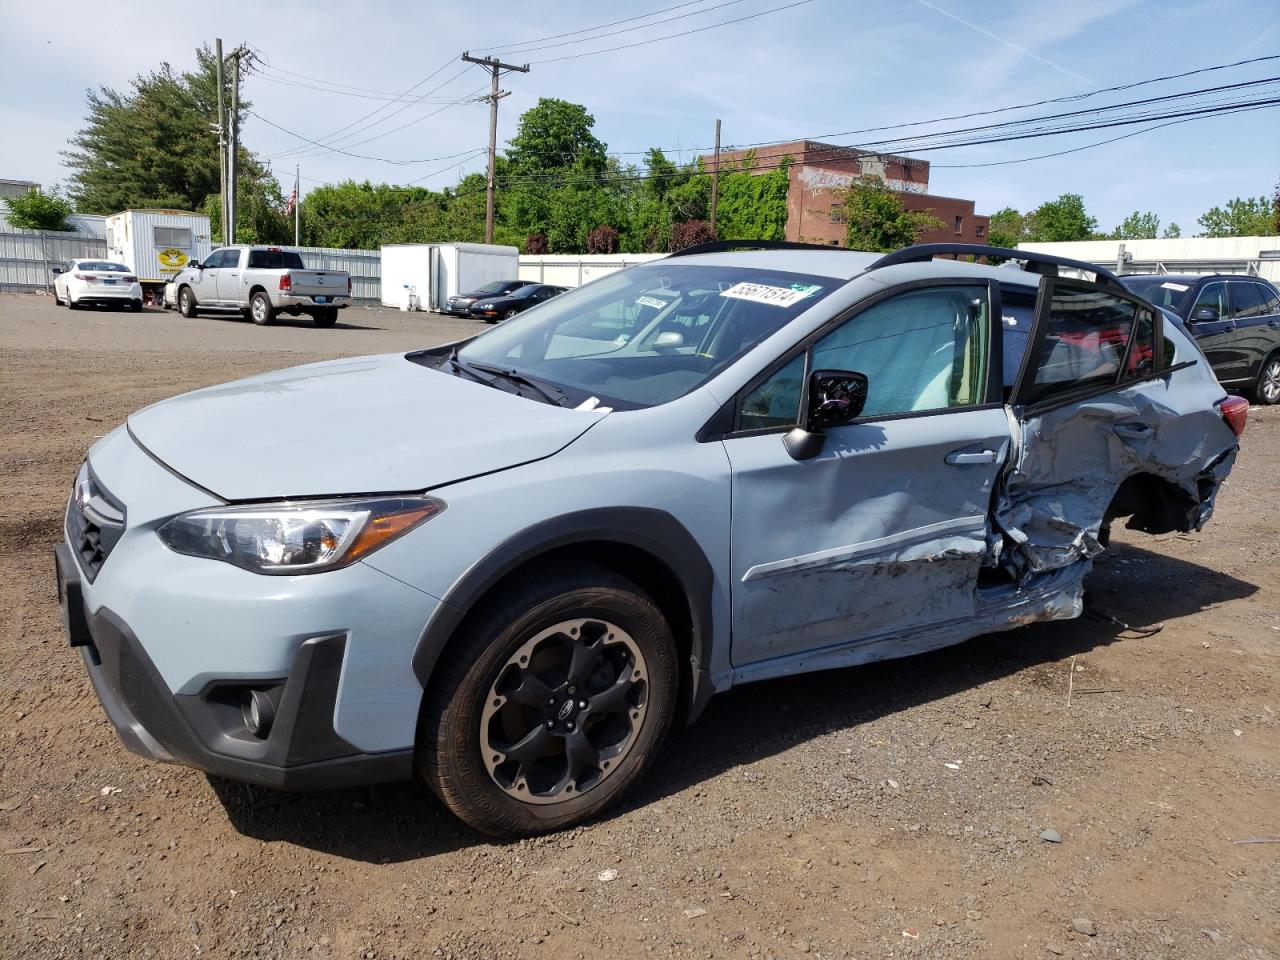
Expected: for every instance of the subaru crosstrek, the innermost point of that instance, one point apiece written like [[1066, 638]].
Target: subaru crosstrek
[[514, 562]]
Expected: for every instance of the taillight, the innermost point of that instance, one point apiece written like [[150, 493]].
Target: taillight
[[130, 279], [85, 276], [286, 282], [1235, 410]]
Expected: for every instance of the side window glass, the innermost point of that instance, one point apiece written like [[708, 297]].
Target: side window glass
[[1143, 350], [1084, 342], [923, 350], [1270, 298], [1246, 301], [775, 402], [1212, 297], [214, 260]]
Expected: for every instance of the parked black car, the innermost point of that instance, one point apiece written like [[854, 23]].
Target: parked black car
[[1235, 319], [492, 309], [461, 304]]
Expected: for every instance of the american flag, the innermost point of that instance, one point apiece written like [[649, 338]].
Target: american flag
[[293, 198]]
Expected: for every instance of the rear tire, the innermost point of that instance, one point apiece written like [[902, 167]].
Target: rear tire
[[186, 303], [260, 310], [135, 306], [1266, 389], [325, 318], [71, 304], [595, 712]]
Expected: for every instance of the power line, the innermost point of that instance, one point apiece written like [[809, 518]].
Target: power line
[[672, 36], [387, 97], [642, 26], [358, 156], [599, 26]]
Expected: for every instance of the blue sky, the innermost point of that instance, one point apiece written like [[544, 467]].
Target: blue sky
[[821, 67]]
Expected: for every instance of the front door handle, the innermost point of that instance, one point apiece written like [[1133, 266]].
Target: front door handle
[[960, 458]]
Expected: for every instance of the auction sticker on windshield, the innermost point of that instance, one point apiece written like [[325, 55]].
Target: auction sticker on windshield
[[763, 293]]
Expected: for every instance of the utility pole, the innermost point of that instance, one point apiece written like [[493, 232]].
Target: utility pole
[[495, 67], [232, 213], [715, 181], [222, 141], [297, 205]]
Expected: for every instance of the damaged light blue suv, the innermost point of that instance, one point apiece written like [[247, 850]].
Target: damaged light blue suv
[[513, 563]]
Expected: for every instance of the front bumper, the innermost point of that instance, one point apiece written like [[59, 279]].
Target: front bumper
[[205, 729]]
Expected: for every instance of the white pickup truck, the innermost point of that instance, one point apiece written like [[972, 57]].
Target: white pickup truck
[[260, 282]]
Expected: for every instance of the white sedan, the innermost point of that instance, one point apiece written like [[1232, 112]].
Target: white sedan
[[83, 283]]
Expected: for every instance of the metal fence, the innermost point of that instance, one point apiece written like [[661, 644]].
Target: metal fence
[[26, 255], [365, 267]]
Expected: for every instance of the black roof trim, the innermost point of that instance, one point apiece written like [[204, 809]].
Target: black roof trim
[[719, 246], [1045, 264]]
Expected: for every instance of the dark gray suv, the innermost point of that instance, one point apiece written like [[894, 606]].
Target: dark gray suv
[[1234, 318]]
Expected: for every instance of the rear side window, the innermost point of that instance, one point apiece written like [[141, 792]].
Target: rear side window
[[1084, 342], [1246, 301], [274, 260]]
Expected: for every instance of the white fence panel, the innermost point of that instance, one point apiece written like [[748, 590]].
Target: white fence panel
[[27, 255], [573, 270]]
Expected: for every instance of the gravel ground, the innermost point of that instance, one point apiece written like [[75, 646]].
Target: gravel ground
[[896, 810]]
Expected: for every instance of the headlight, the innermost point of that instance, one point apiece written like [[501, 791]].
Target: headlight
[[290, 538]]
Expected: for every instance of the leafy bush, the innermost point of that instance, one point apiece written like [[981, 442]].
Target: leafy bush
[[38, 211], [603, 239], [537, 243], [690, 234]]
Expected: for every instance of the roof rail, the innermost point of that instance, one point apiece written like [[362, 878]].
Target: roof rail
[[1045, 264], [718, 246]]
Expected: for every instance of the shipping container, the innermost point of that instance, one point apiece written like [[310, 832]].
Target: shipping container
[[423, 276], [156, 244]]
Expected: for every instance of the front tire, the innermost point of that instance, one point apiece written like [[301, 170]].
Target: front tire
[[260, 310], [550, 704], [1266, 390], [186, 303], [510, 313]]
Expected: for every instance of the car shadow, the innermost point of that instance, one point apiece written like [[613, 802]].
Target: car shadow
[[1131, 590]]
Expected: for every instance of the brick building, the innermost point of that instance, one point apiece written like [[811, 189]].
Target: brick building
[[820, 171]]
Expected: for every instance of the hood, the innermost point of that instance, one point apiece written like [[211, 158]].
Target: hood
[[366, 425]]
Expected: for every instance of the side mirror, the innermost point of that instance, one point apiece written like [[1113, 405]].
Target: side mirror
[[194, 265], [1205, 315], [836, 397], [667, 341], [55, 270]]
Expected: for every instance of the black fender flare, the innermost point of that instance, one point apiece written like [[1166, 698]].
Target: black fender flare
[[655, 532]]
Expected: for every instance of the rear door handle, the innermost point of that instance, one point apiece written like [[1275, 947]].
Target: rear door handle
[[958, 458]]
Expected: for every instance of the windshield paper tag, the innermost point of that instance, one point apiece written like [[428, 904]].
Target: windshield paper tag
[[761, 293], [654, 302], [1180, 287]]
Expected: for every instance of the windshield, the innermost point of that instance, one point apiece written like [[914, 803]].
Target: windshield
[[523, 293], [497, 286], [649, 334], [103, 266], [1168, 292]]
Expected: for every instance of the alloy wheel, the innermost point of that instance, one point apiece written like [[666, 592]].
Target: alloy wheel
[[1270, 386], [564, 711]]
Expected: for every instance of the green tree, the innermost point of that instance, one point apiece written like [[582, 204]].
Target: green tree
[[555, 136], [150, 146], [1061, 220], [1172, 232], [260, 214], [1137, 226], [1242, 217], [35, 210], [877, 220], [1007, 228]]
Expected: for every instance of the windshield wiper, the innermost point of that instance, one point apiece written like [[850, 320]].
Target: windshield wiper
[[549, 393]]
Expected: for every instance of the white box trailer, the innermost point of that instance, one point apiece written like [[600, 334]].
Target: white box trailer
[[423, 276], [156, 244]]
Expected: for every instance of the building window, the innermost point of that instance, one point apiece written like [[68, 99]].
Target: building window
[[981, 230], [959, 225], [837, 213]]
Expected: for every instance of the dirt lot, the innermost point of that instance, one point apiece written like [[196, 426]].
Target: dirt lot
[[893, 810]]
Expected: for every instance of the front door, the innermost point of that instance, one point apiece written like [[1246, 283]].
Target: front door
[[229, 278], [204, 282], [1220, 338], [882, 533]]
